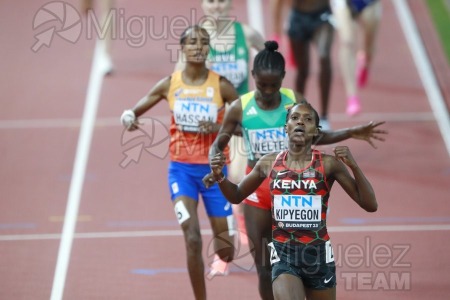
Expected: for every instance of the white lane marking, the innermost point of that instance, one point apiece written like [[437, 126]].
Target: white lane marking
[[425, 70], [169, 233], [165, 119], [98, 70]]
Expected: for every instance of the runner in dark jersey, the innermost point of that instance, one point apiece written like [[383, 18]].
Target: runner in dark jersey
[[262, 114], [300, 182]]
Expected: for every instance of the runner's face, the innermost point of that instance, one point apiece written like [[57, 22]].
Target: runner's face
[[196, 46], [268, 84], [216, 8], [301, 124]]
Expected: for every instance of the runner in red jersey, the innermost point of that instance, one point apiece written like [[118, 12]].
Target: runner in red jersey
[[261, 114], [301, 178], [306, 186]]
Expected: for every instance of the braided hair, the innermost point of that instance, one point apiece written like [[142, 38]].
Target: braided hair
[[269, 59]]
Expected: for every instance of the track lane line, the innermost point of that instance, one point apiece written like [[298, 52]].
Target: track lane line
[[98, 70], [425, 70], [165, 119], [177, 232]]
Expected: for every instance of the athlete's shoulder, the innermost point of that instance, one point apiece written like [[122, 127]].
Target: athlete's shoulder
[[330, 162], [222, 78], [213, 74], [176, 74], [270, 156], [173, 78], [223, 81], [288, 92], [266, 161], [165, 82], [236, 105]]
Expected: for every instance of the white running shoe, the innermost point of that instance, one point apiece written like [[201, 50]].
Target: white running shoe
[[218, 268]]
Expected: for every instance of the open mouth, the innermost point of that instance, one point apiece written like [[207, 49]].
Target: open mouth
[[299, 129], [198, 56]]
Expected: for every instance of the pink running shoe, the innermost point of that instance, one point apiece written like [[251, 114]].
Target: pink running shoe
[[353, 106], [218, 268], [362, 71]]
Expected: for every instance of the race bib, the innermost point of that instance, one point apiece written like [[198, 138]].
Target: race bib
[[187, 114], [263, 141], [298, 211], [233, 70]]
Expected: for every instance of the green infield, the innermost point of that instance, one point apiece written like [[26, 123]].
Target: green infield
[[440, 12]]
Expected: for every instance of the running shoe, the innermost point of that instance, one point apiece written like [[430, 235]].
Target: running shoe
[[353, 106], [218, 268]]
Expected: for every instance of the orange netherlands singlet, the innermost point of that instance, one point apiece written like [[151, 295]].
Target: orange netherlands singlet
[[190, 104]]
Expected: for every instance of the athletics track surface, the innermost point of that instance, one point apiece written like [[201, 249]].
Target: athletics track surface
[[127, 244]]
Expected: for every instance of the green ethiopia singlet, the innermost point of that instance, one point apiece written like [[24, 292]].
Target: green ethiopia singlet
[[232, 63], [263, 130]]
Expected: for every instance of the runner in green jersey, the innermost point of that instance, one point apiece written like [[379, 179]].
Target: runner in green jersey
[[263, 130], [231, 60]]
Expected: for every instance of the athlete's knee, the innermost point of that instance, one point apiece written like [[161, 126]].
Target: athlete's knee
[[193, 242], [348, 43]]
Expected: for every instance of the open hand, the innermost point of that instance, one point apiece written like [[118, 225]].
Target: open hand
[[369, 132]]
